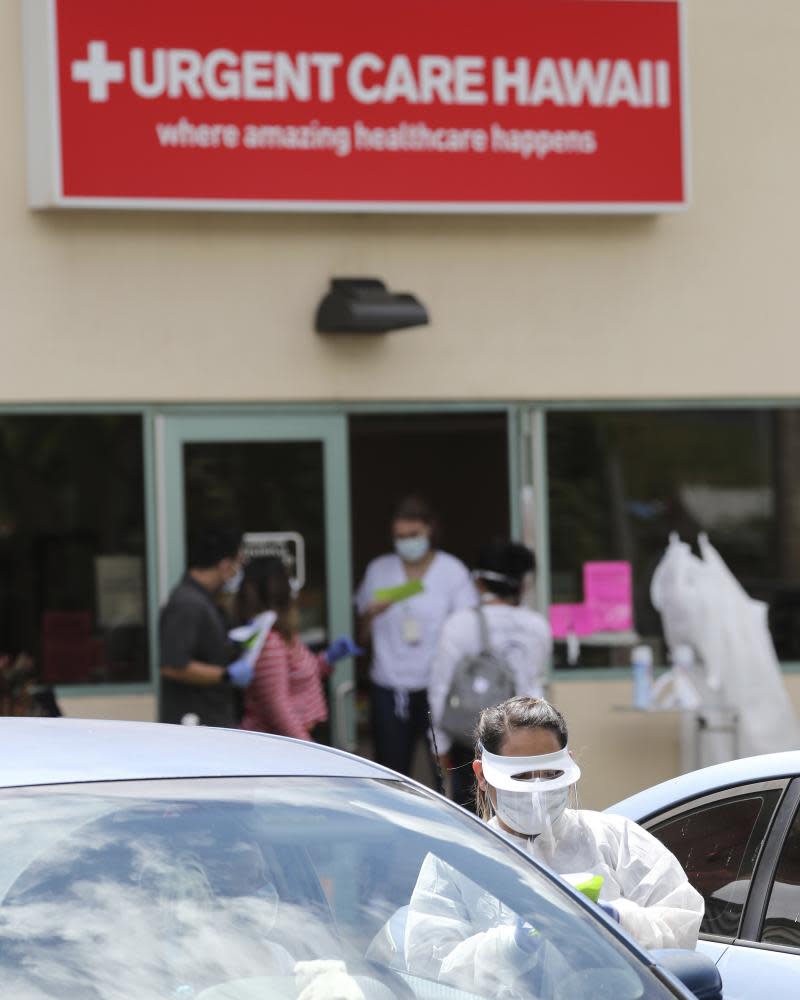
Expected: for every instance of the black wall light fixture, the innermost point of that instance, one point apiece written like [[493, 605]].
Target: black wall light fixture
[[365, 305]]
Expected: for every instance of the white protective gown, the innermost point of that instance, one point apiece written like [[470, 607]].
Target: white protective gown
[[459, 934], [641, 878]]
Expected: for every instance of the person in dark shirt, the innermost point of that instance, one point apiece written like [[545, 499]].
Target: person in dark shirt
[[197, 675]]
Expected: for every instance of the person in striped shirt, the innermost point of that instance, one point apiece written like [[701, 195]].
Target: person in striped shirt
[[286, 694]]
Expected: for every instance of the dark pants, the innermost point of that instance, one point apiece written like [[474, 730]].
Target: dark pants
[[395, 736], [462, 778]]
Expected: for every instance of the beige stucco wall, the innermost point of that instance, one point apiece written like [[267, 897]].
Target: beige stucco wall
[[128, 708], [151, 306], [620, 751]]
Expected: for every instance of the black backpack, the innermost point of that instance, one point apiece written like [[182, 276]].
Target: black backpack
[[479, 680]]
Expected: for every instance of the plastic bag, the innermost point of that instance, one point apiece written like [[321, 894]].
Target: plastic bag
[[703, 605]]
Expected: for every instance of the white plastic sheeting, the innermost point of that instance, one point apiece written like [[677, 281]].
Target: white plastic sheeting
[[703, 606]]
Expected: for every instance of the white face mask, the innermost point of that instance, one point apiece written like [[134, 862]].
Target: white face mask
[[530, 813], [232, 585], [412, 549]]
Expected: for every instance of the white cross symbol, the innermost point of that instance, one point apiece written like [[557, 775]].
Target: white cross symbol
[[98, 71]]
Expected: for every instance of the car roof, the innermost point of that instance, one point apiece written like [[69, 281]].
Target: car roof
[[763, 767], [56, 751]]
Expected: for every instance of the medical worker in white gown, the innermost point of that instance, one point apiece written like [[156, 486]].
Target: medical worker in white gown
[[524, 773]]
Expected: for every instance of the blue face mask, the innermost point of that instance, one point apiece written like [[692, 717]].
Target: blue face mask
[[412, 550]]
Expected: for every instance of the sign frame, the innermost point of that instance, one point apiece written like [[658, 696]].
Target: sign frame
[[274, 543], [44, 171]]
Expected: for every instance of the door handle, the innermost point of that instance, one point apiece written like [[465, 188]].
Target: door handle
[[345, 689]]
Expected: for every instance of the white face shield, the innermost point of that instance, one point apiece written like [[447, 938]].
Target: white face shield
[[532, 792]]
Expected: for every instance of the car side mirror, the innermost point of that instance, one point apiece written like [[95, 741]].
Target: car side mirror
[[695, 970]]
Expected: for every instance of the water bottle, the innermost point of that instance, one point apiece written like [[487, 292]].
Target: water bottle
[[642, 664]]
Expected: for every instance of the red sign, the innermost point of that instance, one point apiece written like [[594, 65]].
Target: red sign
[[517, 105]]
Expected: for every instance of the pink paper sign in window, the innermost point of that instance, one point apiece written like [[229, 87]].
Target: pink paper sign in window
[[607, 602], [575, 619], [608, 591]]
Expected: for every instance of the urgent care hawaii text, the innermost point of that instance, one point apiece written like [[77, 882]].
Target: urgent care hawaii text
[[223, 75]]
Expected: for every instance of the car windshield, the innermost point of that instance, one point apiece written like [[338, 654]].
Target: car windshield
[[307, 888]]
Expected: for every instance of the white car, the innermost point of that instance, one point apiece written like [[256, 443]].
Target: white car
[[148, 862], [735, 828]]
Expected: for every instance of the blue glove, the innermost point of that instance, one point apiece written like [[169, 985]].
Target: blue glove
[[341, 647], [609, 910], [526, 937], [240, 672]]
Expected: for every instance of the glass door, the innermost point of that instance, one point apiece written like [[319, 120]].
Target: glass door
[[284, 481]]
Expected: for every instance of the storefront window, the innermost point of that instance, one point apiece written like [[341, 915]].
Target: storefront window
[[265, 486], [72, 547], [619, 483]]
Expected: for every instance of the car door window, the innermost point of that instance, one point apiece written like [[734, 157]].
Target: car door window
[[718, 843], [782, 923]]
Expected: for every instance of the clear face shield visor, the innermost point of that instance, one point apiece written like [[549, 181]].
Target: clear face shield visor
[[532, 792]]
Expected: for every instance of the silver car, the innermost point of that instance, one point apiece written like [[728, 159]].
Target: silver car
[[148, 862], [735, 828]]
